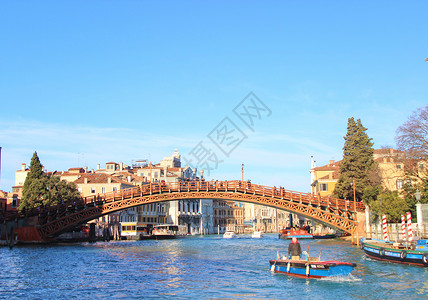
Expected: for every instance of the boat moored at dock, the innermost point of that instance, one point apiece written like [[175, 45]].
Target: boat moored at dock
[[415, 253]]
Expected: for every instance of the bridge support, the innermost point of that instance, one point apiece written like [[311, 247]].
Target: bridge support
[[92, 236], [360, 229]]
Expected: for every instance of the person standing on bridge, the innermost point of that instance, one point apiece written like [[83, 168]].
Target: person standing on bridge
[[294, 249]]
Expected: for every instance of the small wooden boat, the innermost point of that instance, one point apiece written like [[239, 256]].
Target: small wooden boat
[[297, 233], [404, 253], [311, 268]]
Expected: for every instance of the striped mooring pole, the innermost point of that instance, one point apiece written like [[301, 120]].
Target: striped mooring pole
[[384, 228], [403, 227], [409, 226]]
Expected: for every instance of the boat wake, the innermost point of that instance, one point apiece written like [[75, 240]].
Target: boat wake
[[349, 278]]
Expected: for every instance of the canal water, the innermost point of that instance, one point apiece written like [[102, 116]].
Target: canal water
[[196, 267]]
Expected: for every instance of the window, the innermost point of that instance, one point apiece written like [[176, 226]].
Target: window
[[398, 167], [92, 190], [421, 166], [114, 189], [400, 184], [323, 187], [14, 202], [103, 189]]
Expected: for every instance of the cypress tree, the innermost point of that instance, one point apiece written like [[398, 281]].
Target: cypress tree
[[357, 164], [39, 188], [34, 185]]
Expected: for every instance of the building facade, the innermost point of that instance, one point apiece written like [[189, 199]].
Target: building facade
[[391, 171]]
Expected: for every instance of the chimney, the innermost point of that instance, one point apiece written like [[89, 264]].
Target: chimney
[[121, 166], [98, 167], [86, 169], [85, 180], [331, 161], [129, 178], [109, 179], [23, 167]]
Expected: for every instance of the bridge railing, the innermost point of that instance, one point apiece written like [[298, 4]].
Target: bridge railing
[[228, 186], [62, 209]]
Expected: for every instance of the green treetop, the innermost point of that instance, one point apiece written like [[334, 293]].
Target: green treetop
[[357, 164], [34, 188], [41, 189]]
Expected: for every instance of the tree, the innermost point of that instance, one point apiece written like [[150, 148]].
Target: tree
[[390, 204], [409, 191], [59, 190], [41, 189], [357, 164], [412, 136], [34, 187]]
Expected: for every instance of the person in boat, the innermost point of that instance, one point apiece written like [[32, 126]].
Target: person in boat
[[294, 249]]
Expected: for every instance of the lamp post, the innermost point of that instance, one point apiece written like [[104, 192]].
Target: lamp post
[[418, 196], [355, 202], [418, 210]]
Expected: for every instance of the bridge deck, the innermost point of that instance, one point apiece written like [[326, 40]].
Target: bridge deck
[[336, 212]]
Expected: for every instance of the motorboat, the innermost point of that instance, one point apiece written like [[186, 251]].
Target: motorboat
[[289, 233], [229, 235], [257, 234], [168, 231]]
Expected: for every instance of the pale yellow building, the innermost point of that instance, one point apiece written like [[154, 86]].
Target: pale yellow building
[[391, 171], [324, 178]]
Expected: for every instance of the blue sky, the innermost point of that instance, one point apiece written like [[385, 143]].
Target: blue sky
[[87, 82]]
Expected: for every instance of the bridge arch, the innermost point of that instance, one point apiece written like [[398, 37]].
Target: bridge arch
[[337, 213]]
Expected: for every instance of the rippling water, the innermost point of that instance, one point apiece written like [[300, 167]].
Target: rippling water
[[203, 267]]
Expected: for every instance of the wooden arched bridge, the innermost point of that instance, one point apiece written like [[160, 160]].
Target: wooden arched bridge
[[337, 213]]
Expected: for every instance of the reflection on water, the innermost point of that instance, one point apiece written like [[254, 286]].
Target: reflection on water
[[203, 267]]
